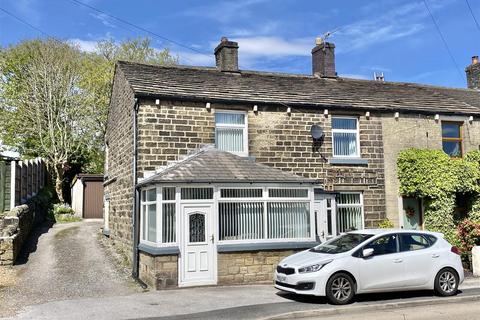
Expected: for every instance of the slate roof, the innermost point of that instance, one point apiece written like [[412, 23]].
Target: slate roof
[[209, 84], [209, 165]]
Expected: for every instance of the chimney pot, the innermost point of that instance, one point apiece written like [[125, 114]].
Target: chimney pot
[[226, 55], [323, 59], [473, 74]]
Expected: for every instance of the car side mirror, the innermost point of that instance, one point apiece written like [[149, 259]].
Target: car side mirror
[[367, 252]]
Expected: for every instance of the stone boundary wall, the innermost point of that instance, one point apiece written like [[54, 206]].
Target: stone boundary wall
[[16, 225]]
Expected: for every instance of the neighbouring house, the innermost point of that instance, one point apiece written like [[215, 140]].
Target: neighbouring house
[[215, 174], [87, 195]]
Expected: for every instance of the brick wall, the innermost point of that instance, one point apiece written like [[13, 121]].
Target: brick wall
[[416, 131], [171, 129], [119, 178], [248, 267]]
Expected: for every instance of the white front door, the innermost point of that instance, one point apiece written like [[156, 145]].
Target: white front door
[[197, 260], [324, 208]]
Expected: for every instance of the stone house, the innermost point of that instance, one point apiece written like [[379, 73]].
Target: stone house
[[215, 174]]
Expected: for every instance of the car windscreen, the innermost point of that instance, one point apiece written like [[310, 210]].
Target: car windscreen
[[342, 243]]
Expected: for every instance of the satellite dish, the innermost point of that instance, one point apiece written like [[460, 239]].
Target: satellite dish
[[316, 131]]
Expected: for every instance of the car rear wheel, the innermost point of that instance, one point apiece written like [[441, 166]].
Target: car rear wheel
[[340, 288], [446, 282]]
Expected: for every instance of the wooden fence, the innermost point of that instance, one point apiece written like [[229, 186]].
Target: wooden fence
[[20, 180]]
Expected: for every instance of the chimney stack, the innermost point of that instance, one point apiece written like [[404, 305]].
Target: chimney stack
[[226, 55], [323, 59], [473, 74]]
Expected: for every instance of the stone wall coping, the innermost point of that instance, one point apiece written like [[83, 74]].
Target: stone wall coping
[[158, 251], [349, 161], [265, 246]]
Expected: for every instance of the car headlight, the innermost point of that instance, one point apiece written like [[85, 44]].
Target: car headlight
[[314, 267]]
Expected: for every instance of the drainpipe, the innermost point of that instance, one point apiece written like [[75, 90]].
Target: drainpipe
[[136, 199]]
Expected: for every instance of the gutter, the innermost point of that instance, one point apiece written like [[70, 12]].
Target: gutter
[[136, 198], [384, 109]]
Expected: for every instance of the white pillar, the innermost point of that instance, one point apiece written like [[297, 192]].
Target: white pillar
[[476, 261]]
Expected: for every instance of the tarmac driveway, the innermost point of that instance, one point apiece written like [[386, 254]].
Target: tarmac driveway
[[66, 261]]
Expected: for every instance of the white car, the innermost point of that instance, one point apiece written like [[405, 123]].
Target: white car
[[368, 261]]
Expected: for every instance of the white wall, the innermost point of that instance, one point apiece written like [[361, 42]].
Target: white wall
[[77, 198]]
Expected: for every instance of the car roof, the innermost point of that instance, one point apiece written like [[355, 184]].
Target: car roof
[[386, 231]]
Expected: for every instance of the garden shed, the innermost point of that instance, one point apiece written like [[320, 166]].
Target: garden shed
[[87, 196]]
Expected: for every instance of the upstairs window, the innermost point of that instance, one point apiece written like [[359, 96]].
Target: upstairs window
[[452, 139], [231, 132], [345, 137]]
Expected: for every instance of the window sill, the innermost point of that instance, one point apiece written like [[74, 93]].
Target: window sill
[[348, 161], [158, 251], [265, 246]]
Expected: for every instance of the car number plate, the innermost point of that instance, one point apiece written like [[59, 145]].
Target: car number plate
[[281, 278]]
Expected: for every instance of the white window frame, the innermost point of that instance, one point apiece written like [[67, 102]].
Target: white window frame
[[356, 131], [143, 223], [159, 202], [160, 242], [356, 205], [235, 126], [265, 200]]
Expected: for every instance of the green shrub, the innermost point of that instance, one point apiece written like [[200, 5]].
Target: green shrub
[[385, 224], [62, 212], [436, 178], [469, 234], [61, 218], [62, 208]]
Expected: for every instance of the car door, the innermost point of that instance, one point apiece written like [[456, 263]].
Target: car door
[[384, 269], [418, 257]]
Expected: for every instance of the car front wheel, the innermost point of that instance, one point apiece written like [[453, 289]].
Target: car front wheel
[[446, 282], [340, 288]]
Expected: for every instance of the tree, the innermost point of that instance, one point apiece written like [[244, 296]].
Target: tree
[[42, 110], [54, 100], [97, 79]]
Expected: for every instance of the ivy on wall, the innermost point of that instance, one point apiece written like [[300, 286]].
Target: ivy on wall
[[438, 179]]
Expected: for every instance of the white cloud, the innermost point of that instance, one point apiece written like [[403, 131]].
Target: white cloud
[[259, 30], [84, 45], [195, 59], [104, 19], [399, 23], [273, 46], [354, 76]]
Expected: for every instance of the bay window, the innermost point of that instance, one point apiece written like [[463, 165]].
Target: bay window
[[158, 215], [149, 215], [349, 212], [345, 136], [255, 214], [249, 214], [231, 132]]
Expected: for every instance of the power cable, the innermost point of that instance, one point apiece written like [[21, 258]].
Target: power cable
[[138, 27], [473, 15], [26, 23], [444, 41]]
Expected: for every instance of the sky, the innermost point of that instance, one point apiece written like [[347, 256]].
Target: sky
[[396, 37]]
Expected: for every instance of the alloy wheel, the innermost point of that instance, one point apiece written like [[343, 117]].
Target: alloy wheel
[[341, 289], [447, 281]]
